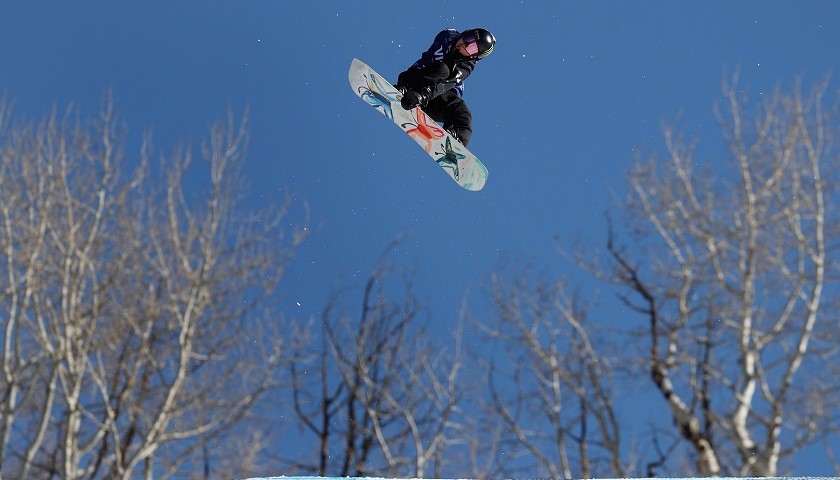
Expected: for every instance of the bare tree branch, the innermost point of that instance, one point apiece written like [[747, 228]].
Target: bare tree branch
[[732, 280], [382, 399], [127, 299], [554, 385]]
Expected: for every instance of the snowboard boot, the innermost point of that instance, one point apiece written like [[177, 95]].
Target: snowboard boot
[[456, 135]]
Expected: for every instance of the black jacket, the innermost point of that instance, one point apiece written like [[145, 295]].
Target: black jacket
[[440, 68]]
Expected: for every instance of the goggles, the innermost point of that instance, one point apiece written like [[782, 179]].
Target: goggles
[[470, 44]]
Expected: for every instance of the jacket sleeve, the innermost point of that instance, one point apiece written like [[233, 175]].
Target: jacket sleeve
[[458, 72]]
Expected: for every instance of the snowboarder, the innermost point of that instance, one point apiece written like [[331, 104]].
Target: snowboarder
[[436, 81]]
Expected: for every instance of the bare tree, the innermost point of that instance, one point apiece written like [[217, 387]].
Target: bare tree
[[378, 396], [135, 311], [548, 385], [731, 271]]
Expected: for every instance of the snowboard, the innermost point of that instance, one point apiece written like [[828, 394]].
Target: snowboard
[[461, 165]]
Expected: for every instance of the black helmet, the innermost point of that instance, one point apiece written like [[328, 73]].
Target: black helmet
[[479, 42]]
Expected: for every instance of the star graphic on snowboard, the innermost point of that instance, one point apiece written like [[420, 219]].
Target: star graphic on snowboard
[[450, 158]]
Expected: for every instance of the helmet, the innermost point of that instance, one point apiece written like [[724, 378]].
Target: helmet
[[479, 42]]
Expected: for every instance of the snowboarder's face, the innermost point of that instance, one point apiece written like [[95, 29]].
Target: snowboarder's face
[[466, 46]]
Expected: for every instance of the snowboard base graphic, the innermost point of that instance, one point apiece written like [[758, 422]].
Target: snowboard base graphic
[[461, 165]]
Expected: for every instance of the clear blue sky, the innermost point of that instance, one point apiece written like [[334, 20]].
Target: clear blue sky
[[571, 90]]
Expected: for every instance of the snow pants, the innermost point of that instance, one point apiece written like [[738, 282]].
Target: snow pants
[[447, 108]]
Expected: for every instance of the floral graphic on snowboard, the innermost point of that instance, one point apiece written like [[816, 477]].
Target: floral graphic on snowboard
[[424, 131]]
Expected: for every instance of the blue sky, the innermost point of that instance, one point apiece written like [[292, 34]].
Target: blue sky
[[570, 92]]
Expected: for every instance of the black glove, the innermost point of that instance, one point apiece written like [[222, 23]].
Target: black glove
[[414, 98]]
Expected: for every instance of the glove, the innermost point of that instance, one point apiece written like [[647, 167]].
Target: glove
[[414, 98], [411, 99]]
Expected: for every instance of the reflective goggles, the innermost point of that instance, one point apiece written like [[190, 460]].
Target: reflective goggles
[[470, 44]]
